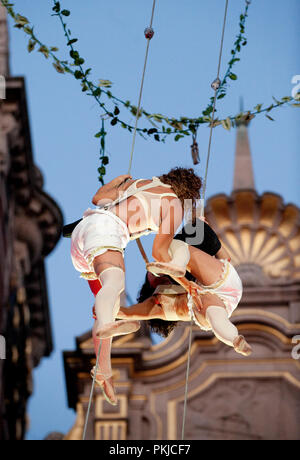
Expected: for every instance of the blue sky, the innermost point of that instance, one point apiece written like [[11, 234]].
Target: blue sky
[[182, 65]]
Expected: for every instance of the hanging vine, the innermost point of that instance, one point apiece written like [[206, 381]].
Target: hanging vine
[[162, 126], [104, 160]]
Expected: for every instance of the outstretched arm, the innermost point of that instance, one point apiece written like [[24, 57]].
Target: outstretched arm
[[142, 311], [109, 192]]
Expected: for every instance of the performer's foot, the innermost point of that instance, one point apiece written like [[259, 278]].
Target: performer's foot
[[116, 328], [242, 346], [106, 385], [166, 268]]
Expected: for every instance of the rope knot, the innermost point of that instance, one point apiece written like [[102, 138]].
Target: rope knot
[[149, 33], [216, 84]]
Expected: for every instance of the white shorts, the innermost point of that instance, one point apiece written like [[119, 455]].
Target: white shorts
[[98, 232], [229, 289]]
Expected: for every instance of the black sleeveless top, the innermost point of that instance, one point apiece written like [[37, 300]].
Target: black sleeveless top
[[201, 236]]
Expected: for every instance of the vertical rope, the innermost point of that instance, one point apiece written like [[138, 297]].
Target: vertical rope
[[91, 393], [214, 105], [141, 92], [187, 381]]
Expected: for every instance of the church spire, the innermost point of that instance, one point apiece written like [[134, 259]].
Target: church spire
[[4, 43], [243, 171]]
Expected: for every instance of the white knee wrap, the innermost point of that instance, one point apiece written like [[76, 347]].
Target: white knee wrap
[[113, 277], [223, 329], [107, 300], [180, 253]]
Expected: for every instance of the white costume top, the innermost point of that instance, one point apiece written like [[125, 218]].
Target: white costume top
[[102, 229], [150, 202]]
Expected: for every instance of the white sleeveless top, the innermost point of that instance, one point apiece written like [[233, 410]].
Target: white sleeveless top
[[150, 201]]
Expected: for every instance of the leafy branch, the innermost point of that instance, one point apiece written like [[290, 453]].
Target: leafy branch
[[179, 128], [241, 41], [184, 126]]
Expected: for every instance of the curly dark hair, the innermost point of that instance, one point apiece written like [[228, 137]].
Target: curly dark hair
[[163, 328], [185, 183]]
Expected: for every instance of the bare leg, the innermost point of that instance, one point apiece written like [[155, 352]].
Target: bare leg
[[205, 268], [142, 311]]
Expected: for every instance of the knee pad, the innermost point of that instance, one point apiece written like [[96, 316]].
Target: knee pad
[[180, 253], [114, 278], [216, 312], [221, 325]]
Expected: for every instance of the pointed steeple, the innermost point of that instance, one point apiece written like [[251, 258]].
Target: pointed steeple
[[243, 171], [4, 43]]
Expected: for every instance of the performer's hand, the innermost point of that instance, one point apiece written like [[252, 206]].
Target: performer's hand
[[198, 303], [194, 288], [201, 319], [120, 179], [194, 291]]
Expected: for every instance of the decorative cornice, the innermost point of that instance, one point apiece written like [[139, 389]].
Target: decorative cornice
[[269, 327], [261, 233], [36, 218], [25, 178]]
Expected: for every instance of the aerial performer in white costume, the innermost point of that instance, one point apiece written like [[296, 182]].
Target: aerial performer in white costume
[[210, 295], [125, 210]]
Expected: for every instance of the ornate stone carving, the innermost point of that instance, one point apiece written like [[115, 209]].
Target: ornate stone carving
[[260, 232], [245, 409], [27, 231], [30, 228]]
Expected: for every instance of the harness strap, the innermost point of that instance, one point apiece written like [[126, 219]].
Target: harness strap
[[155, 182], [142, 251]]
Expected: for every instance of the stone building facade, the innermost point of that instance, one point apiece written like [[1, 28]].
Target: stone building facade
[[229, 397], [30, 226]]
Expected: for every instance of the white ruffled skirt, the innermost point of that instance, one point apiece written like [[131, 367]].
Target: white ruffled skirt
[[98, 232]]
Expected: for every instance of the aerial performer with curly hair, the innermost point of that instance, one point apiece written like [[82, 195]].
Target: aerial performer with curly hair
[[125, 210], [212, 297]]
